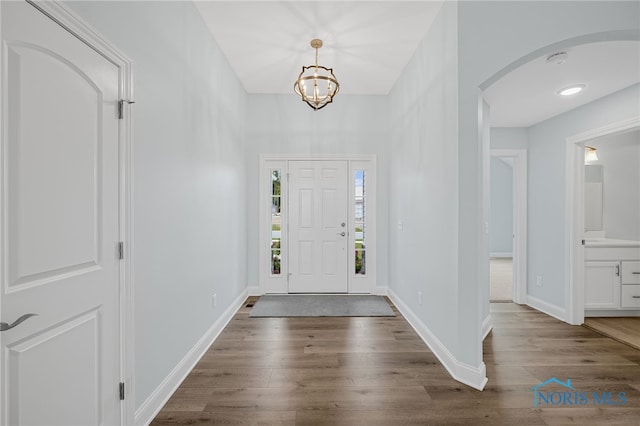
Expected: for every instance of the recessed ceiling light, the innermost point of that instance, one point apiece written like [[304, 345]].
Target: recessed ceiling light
[[571, 90]]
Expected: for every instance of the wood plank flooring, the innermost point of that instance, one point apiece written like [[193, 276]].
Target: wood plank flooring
[[622, 329], [377, 371]]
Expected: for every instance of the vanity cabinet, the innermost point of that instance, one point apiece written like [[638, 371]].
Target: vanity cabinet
[[612, 278], [602, 285]]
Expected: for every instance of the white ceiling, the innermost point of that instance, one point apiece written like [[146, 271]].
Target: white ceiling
[[368, 44], [528, 94]]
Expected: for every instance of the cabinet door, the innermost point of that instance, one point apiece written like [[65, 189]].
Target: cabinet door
[[602, 285]]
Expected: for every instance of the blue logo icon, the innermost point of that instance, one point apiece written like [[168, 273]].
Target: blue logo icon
[[570, 396]]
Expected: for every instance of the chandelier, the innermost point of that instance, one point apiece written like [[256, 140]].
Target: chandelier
[[317, 85]]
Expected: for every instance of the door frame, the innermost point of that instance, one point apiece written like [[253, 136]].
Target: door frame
[[77, 26], [574, 214], [278, 284], [518, 161]]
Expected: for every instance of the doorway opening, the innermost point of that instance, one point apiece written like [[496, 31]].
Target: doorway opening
[[575, 236], [508, 238], [502, 233], [317, 225]]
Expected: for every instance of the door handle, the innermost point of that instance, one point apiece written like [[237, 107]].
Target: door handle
[[342, 234], [4, 326]]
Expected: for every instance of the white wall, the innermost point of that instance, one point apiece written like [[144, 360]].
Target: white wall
[[283, 124], [423, 185], [493, 38], [501, 224], [509, 138], [620, 157], [546, 212], [189, 178]]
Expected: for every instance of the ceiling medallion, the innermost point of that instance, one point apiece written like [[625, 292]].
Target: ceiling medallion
[[317, 85]]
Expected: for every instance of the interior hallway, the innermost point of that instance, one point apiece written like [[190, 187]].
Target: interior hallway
[[377, 371]]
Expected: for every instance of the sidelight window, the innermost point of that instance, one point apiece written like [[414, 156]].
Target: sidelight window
[[276, 223], [360, 223]]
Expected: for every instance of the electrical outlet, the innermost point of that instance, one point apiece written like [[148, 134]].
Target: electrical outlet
[[419, 298], [539, 280], [214, 300]]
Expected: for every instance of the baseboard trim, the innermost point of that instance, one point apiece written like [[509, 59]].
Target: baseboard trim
[[547, 308], [475, 377], [159, 397], [487, 326]]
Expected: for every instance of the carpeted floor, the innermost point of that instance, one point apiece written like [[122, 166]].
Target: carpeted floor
[[501, 276], [324, 305]]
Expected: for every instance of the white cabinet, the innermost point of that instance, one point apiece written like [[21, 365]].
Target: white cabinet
[[612, 278], [630, 274], [602, 285]]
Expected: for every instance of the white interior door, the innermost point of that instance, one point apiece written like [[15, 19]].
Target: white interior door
[[318, 226], [60, 225]]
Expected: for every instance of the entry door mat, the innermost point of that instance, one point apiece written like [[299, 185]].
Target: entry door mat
[[321, 305]]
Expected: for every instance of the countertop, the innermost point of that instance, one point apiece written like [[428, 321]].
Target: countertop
[[610, 242]]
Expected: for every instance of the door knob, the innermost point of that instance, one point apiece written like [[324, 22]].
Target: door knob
[[4, 326]]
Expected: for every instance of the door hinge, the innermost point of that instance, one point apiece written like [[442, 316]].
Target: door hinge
[[121, 107], [121, 391], [121, 250], [583, 242]]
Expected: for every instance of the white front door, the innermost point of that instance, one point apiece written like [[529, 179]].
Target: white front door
[[60, 226], [318, 233]]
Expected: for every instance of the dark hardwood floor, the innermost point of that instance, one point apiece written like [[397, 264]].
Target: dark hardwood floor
[[377, 371]]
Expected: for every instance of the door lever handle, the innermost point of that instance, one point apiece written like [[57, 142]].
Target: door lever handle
[[4, 326], [342, 234]]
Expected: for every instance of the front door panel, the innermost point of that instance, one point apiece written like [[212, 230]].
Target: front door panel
[[318, 213]]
